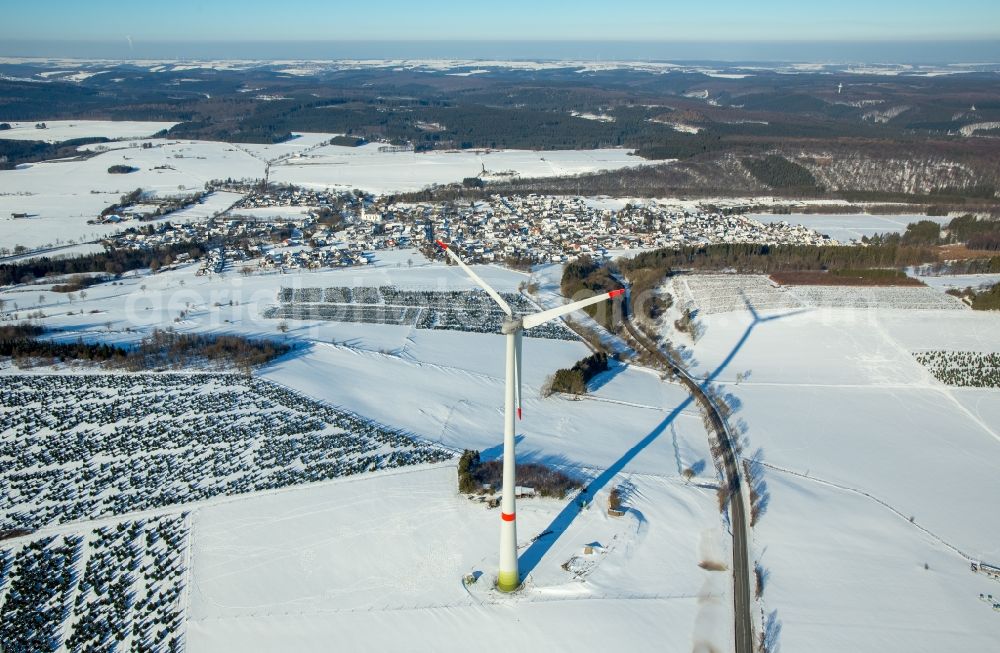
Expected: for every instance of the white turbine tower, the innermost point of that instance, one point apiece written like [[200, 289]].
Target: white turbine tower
[[508, 578]]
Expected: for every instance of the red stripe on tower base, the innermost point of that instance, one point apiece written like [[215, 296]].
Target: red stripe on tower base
[[507, 516]]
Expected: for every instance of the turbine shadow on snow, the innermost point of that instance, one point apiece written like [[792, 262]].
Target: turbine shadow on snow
[[538, 548], [757, 320], [496, 451], [531, 556]]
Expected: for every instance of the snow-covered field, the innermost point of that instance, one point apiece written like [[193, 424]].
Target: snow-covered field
[[60, 196], [880, 480], [64, 130], [204, 436], [63, 251], [872, 469], [377, 563], [845, 228], [723, 293], [901, 297], [365, 167], [961, 281], [377, 559]]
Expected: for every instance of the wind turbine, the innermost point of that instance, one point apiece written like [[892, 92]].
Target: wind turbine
[[508, 578]]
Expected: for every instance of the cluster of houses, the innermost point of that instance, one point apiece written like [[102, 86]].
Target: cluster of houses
[[542, 229], [214, 262], [284, 196], [345, 229], [313, 258]]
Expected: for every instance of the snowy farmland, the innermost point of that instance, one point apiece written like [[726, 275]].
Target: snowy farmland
[[121, 584], [379, 557], [472, 311], [95, 445], [60, 196], [848, 227], [379, 172], [63, 130], [875, 475], [721, 293], [377, 563], [724, 293]]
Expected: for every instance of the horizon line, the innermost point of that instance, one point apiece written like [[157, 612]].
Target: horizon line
[[668, 41]]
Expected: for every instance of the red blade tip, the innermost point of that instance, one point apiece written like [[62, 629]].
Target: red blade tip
[[441, 245], [519, 413], [615, 293]]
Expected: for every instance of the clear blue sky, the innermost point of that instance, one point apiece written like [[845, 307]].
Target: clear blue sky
[[335, 20]]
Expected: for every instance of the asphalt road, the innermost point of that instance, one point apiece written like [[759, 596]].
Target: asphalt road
[[741, 564]]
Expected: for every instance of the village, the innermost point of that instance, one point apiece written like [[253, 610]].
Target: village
[[346, 229]]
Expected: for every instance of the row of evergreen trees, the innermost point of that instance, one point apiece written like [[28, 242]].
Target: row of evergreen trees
[[753, 258], [574, 380], [161, 349], [111, 261]]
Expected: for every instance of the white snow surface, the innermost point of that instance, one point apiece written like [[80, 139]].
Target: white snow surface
[[64, 130], [376, 563], [60, 196], [847, 227], [960, 281], [857, 438], [377, 560], [335, 166]]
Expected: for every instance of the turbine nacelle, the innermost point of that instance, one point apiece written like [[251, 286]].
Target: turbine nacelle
[[512, 325]]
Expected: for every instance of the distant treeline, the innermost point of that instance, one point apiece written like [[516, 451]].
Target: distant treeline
[[240, 132], [14, 153], [20, 342], [430, 124], [974, 232], [778, 172], [177, 350], [750, 258], [966, 266], [846, 277], [111, 261], [159, 350]]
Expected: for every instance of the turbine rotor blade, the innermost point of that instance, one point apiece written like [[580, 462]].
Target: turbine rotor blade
[[542, 317], [479, 282], [518, 336]]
